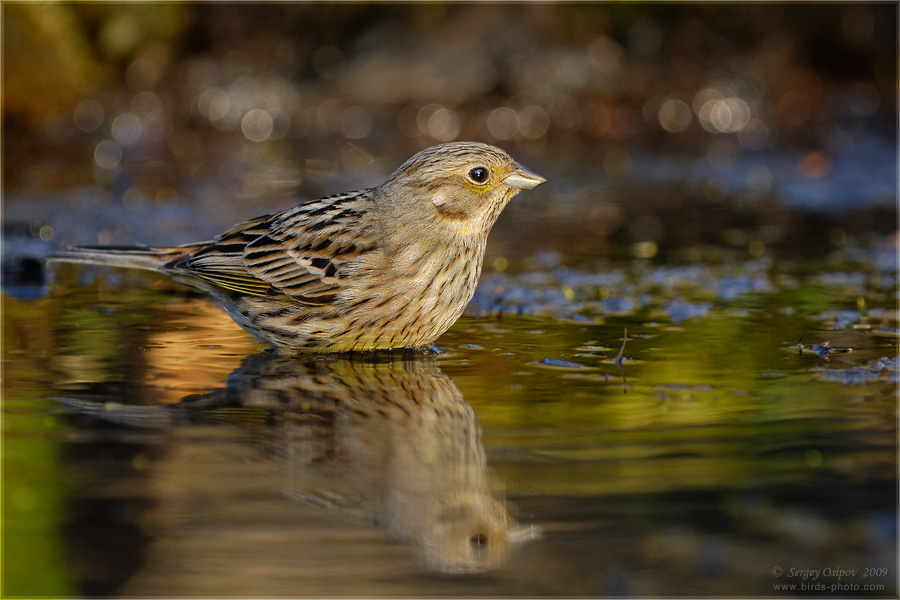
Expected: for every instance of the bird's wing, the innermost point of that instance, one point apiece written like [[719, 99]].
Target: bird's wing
[[303, 252], [220, 262]]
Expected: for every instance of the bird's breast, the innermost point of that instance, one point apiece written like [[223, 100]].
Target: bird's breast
[[425, 289]]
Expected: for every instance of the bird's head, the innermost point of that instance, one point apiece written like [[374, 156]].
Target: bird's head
[[460, 185]]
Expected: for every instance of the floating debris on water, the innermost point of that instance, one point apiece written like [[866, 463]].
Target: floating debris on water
[[840, 319], [883, 369], [563, 364], [823, 350]]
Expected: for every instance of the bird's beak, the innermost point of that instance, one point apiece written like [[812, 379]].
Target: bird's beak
[[519, 534], [523, 178]]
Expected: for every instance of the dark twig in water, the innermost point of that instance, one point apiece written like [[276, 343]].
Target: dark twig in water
[[620, 359], [823, 350], [622, 349]]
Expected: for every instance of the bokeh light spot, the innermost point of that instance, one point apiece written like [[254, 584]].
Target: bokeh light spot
[[88, 115], [355, 122], [756, 248], [443, 125], [257, 125], [214, 104], [533, 122], [726, 115], [814, 165], [108, 154], [126, 129], [604, 54], [646, 249], [503, 123], [863, 100], [438, 122], [674, 115]]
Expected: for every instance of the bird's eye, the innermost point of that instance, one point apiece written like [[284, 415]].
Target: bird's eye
[[478, 175], [479, 541]]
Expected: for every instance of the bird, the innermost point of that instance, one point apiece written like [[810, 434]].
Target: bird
[[386, 440], [387, 267]]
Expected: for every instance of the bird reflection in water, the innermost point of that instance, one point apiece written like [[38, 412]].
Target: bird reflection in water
[[382, 439]]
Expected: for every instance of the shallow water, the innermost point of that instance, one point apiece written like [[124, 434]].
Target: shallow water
[[155, 449]]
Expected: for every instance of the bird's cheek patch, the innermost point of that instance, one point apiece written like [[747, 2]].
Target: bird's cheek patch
[[445, 205]]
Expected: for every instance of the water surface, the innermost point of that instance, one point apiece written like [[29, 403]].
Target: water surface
[[154, 448]]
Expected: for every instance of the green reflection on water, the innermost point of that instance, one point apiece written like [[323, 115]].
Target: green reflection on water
[[34, 557], [720, 402]]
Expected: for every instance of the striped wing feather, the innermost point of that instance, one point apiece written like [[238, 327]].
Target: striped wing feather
[[300, 252]]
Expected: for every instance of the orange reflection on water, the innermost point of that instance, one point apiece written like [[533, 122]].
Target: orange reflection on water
[[178, 358]]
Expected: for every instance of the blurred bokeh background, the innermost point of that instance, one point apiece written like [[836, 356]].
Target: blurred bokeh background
[[166, 119]]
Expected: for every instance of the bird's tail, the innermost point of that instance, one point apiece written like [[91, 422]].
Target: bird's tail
[[132, 257]]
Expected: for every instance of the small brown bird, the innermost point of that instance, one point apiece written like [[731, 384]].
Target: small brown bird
[[391, 266]]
